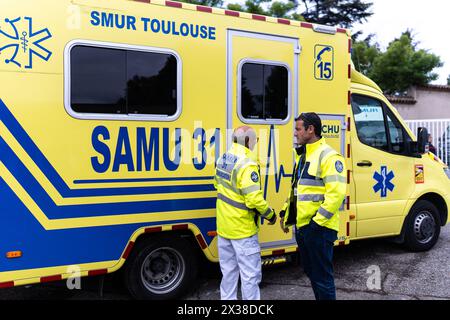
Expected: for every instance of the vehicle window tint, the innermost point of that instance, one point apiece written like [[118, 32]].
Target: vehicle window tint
[[98, 80], [115, 81], [395, 133], [369, 122], [264, 91], [151, 83]]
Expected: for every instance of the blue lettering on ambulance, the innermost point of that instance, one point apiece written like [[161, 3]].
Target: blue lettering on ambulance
[[101, 148], [331, 129], [123, 141], [203, 32], [95, 18], [171, 165], [150, 151], [200, 164], [111, 20]]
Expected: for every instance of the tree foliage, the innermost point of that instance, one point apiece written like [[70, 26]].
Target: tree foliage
[[342, 13], [402, 65], [364, 54], [336, 12]]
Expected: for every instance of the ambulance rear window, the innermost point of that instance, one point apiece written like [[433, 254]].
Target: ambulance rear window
[[118, 81], [264, 91]]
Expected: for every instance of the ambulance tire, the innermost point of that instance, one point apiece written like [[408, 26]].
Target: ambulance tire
[[422, 227], [161, 268]]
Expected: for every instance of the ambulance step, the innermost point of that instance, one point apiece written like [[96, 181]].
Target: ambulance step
[[268, 261]]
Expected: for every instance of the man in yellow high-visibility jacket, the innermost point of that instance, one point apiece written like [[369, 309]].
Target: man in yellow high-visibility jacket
[[318, 190], [240, 203]]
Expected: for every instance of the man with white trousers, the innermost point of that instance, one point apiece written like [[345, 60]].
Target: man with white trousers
[[240, 204]]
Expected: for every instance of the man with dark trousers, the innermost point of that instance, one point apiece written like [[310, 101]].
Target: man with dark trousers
[[318, 190]]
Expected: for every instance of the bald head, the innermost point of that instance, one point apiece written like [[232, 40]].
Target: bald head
[[245, 136]]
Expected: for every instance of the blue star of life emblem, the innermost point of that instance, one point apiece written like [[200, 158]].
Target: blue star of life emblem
[[23, 42], [383, 181]]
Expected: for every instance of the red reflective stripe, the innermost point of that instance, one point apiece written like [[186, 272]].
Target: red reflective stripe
[[201, 241], [174, 4], [232, 13], [348, 202], [348, 151], [51, 278], [348, 124], [153, 229], [349, 71], [204, 9], [97, 272], [278, 252], [348, 229], [284, 21], [258, 17], [4, 285], [306, 25], [350, 45], [146, 1], [340, 30], [180, 227], [128, 250], [349, 98], [348, 176]]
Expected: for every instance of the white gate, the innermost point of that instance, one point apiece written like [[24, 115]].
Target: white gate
[[440, 133]]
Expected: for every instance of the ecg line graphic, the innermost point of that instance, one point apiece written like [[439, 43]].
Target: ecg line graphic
[[279, 172]]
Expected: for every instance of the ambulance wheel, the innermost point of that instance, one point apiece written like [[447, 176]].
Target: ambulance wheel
[[422, 226], [161, 268]]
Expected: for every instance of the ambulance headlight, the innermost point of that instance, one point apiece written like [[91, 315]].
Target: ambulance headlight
[[447, 172]]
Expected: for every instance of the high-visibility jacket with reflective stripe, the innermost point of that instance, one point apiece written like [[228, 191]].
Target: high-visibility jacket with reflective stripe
[[321, 186], [238, 185]]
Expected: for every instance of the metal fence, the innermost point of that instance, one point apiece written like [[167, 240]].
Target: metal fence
[[440, 134]]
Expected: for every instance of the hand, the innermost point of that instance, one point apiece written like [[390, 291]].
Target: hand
[[274, 219], [285, 229]]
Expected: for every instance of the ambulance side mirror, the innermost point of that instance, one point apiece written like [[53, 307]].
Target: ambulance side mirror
[[422, 140]]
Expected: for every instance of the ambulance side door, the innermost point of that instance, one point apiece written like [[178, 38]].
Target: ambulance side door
[[262, 93], [383, 171]]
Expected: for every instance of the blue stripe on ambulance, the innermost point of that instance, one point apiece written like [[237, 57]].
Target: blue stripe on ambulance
[[53, 211], [50, 248], [75, 245]]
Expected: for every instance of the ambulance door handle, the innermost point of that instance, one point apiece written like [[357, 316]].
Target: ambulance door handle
[[365, 163]]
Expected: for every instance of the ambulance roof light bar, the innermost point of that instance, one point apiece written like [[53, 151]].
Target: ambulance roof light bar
[[325, 29]]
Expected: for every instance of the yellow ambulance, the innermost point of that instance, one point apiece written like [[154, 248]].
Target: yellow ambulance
[[113, 113]]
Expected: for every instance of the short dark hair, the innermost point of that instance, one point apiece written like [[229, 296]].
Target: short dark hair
[[311, 119]]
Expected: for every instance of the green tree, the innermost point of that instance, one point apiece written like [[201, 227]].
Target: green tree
[[275, 9], [403, 65], [336, 12], [342, 13], [364, 54]]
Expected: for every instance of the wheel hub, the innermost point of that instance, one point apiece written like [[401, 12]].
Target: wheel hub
[[162, 270], [424, 227]]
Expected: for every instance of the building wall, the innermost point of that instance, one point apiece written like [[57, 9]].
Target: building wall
[[431, 103]]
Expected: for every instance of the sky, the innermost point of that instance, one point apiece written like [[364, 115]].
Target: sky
[[428, 19]]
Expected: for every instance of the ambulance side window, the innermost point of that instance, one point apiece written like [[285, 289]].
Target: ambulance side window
[[369, 122], [121, 81], [395, 133], [264, 91], [377, 126]]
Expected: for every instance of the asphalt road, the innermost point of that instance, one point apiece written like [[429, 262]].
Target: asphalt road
[[364, 270]]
